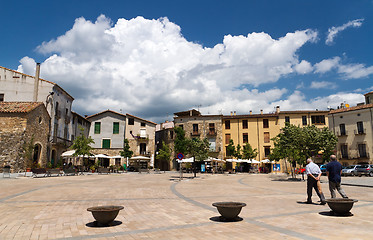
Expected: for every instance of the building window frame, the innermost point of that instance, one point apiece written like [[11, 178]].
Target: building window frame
[[227, 124], [115, 127], [97, 129]]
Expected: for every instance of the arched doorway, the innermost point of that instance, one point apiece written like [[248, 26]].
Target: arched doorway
[[37, 152]]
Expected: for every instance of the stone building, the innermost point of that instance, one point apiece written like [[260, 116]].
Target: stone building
[[202, 126], [164, 132], [23, 125], [20, 87], [353, 127]]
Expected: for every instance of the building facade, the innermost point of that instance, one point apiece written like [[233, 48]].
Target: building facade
[[353, 127], [202, 126], [164, 132], [16, 87], [24, 130]]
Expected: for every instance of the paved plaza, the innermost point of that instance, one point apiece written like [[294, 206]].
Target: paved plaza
[[159, 206]]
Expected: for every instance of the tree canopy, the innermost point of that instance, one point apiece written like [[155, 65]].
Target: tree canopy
[[82, 146], [164, 153], [126, 152], [248, 152]]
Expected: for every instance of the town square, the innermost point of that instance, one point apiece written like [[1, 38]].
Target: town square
[[161, 206]]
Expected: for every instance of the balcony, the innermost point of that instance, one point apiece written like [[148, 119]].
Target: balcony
[[61, 141], [195, 133], [67, 119], [57, 114], [342, 134], [360, 131], [212, 133]]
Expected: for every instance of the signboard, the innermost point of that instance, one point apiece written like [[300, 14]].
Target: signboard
[[276, 167], [180, 156], [203, 168]]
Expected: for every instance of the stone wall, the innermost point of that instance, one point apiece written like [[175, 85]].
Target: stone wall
[[16, 131]]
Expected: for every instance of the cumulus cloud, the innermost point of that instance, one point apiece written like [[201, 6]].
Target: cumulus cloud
[[322, 84], [146, 67], [327, 65], [333, 31]]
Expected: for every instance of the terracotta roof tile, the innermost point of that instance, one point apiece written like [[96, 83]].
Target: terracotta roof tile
[[18, 107], [352, 108]]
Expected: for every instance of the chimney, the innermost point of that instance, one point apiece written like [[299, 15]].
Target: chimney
[[234, 113], [231, 113], [277, 109], [36, 84], [251, 112], [261, 111]]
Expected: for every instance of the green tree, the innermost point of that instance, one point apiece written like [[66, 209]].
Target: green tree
[[237, 152], [126, 152], [328, 141], [82, 146], [198, 149], [180, 144], [248, 152], [231, 149], [164, 153]]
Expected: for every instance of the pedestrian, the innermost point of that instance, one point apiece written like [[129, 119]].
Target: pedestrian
[[334, 171], [313, 177]]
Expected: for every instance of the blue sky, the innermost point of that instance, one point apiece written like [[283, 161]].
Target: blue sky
[[154, 58]]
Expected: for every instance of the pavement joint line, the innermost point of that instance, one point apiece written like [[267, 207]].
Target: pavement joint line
[[140, 231], [248, 220], [356, 185]]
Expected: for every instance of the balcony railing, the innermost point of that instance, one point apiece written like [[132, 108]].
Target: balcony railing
[[195, 133], [360, 131], [59, 140], [212, 133], [341, 134]]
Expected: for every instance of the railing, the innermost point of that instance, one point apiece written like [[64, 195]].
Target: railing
[[195, 133], [212, 133], [360, 131], [59, 140], [341, 134], [144, 153]]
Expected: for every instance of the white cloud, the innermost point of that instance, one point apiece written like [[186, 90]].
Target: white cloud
[[28, 65], [333, 31], [322, 84], [303, 67], [327, 65], [147, 67]]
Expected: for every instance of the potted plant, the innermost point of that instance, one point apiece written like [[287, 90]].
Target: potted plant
[[93, 168]]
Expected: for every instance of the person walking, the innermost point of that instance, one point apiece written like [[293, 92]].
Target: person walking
[[313, 177], [334, 171]]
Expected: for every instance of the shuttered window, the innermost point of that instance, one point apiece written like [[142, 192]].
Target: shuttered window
[[105, 143], [97, 127], [116, 128]]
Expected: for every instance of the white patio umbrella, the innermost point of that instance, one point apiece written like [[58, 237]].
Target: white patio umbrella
[[101, 156], [140, 158], [253, 161], [68, 153], [185, 160]]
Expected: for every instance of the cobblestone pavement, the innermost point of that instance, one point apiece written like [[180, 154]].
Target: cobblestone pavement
[[159, 206]]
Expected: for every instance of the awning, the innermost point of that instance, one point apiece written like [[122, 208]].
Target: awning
[[68, 153], [118, 156], [266, 161], [185, 160], [253, 161], [101, 156], [140, 158]]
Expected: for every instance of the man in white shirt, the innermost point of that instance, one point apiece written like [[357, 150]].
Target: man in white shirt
[[313, 176]]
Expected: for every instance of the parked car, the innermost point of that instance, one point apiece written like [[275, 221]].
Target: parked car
[[364, 169], [349, 170], [323, 169]]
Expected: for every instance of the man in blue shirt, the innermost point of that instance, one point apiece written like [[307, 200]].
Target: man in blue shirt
[[334, 170]]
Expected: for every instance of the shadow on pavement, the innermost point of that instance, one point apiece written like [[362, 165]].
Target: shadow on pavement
[[221, 219], [302, 202], [332, 214], [95, 224]]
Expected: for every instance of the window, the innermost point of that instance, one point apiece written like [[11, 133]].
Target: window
[[266, 137], [342, 129], [287, 119], [131, 121], [106, 143], [143, 124], [211, 128], [318, 119], [212, 145], [115, 127], [1, 97], [143, 148], [362, 150], [227, 124], [304, 120], [245, 138], [195, 128], [227, 138], [265, 123], [267, 151], [360, 127], [97, 127], [171, 134], [244, 124], [344, 151]]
